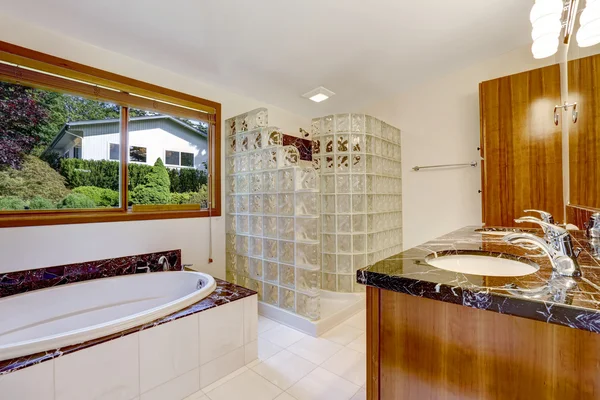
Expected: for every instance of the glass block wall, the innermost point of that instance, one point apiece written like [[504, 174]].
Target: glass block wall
[[359, 162], [272, 212]]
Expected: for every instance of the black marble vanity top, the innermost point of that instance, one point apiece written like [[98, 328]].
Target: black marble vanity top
[[542, 295]]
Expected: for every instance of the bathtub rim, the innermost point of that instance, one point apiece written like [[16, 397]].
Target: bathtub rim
[[74, 337]]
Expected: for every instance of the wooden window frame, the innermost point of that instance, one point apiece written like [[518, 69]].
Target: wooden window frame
[[20, 65]]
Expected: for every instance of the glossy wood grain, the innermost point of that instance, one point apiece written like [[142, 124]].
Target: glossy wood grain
[[579, 216], [584, 136], [521, 146], [435, 350]]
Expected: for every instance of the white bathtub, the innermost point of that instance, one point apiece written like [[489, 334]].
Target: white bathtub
[[56, 317]]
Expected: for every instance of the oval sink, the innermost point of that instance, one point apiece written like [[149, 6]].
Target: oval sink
[[481, 264]]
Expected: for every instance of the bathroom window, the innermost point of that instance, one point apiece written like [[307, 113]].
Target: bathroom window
[[55, 117]]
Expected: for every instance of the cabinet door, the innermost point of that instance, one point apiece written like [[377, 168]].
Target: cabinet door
[[521, 146], [584, 136]]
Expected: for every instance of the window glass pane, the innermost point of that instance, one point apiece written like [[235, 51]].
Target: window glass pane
[[53, 150], [172, 157], [137, 154], [114, 151], [161, 180], [187, 159]]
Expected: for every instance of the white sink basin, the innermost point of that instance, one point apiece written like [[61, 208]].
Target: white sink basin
[[481, 265]]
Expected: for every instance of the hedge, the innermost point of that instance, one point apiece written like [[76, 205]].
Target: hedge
[[40, 203], [77, 200], [105, 174], [156, 187], [102, 197], [11, 203]]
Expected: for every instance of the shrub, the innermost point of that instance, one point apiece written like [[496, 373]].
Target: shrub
[[181, 198], [11, 203], [76, 200], [102, 197], [156, 187], [99, 173], [35, 178], [187, 180], [40, 203]]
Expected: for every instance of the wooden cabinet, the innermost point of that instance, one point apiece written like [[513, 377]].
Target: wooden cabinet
[[521, 146]]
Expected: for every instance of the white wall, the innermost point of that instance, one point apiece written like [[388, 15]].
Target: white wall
[[440, 125], [35, 247]]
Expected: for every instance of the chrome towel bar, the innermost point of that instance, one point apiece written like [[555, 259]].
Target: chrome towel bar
[[471, 164]]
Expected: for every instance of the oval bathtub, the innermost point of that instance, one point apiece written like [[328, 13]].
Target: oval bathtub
[[64, 315]]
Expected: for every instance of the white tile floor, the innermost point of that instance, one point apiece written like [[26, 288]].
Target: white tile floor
[[294, 366]]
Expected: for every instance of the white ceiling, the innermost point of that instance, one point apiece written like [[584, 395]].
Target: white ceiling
[[276, 50]]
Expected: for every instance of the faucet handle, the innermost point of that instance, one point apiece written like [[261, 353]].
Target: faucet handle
[[549, 229], [546, 216], [593, 226]]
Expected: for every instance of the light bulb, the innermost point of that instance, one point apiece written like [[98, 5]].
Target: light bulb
[[542, 8], [545, 46]]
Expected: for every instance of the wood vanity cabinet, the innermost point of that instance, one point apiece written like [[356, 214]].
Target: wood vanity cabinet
[[521, 146]]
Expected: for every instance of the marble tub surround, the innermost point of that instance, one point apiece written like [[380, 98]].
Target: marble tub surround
[[224, 294], [304, 146], [41, 278], [542, 296]]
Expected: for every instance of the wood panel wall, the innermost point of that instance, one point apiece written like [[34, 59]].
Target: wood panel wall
[[431, 350], [579, 216], [521, 146], [584, 136]]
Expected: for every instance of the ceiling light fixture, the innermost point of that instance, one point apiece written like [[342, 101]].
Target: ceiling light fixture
[[589, 32], [319, 94]]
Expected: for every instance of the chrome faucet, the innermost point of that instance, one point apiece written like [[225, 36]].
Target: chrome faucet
[[559, 246], [546, 226], [544, 215], [164, 263], [593, 226]]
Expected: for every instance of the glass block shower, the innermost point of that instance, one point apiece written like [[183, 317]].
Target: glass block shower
[[272, 214], [358, 159]]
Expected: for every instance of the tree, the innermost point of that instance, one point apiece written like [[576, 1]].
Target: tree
[[156, 186], [21, 121]]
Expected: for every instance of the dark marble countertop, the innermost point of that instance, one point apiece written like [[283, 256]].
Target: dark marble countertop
[[542, 296]]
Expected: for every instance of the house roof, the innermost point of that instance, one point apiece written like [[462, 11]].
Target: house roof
[[65, 129]]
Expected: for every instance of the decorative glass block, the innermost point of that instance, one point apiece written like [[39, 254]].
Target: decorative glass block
[[329, 282], [286, 252], [328, 184], [307, 229], [230, 243], [256, 268], [256, 183], [270, 249], [270, 181], [327, 144], [270, 227], [342, 183], [358, 163], [306, 179], [286, 228], [231, 224], [328, 204], [274, 137], [328, 165], [288, 156], [360, 261], [242, 265], [357, 143], [344, 243], [358, 123], [306, 203], [287, 299], [307, 281], [344, 264], [358, 183], [329, 243], [307, 254], [242, 204], [344, 223], [256, 204], [358, 203], [345, 283], [286, 204], [271, 294], [342, 123], [270, 204], [328, 124], [286, 180], [329, 262], [271, 271], [316, 147], [270, 159], [256, 225], [287, 275], [242, 184], [343, 203], [329, 223], [242, 224], [308, 306], [359, 223], [342, 143], [359, 243], [256, 246], [343, 163], [315, 127]]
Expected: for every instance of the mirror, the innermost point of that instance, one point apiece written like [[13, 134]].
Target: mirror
[[583, 136]]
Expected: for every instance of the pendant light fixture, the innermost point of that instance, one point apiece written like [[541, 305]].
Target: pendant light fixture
[[546, 25], [589, 32]]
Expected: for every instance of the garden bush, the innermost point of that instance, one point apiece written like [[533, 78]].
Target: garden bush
[[11, 203], [102, 197], [76, 200], [35, 178], [40, 203], [186, 180], [156, 187]]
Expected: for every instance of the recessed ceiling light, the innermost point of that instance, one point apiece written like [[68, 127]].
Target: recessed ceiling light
[[319, 94]]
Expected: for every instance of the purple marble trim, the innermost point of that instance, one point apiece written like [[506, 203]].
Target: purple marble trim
[[304, 146], [33, 279], [224, 293]]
